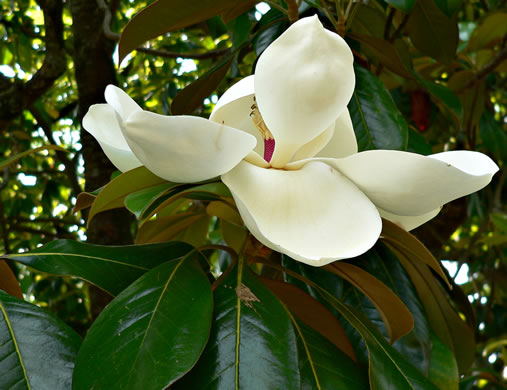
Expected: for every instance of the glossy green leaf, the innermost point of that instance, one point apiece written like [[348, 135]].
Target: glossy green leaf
[[5, 163], [192, 96], [388, 368], [403, 5], [271, 26], [323, 366], [113, 194], [312, 313], [209, 191], [137, 202], [37, 350], [384, 264], [252, 343], [151, 334], [111, 268], [385, 51], [377, 121], [443, 367], [432, 32], [163, 16]]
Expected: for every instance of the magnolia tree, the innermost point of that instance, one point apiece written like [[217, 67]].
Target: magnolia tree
[[272, 235]]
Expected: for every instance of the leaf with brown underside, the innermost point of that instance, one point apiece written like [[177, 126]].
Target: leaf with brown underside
[[409, 245], [444, 320], [8, 281], [391, 308], [312, 313]]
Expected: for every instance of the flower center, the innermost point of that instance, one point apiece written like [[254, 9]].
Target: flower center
[[269, 140]]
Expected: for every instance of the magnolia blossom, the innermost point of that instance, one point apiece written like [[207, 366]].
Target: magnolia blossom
[[282, 141]]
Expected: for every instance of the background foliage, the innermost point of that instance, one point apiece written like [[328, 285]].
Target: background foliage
[[431, 76]]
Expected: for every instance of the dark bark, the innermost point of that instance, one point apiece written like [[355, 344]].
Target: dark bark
[[94, 70]]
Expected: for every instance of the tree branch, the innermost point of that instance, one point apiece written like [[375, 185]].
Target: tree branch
[[16, 95], [500, 57]]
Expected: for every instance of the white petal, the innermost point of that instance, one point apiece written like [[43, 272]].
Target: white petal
[[185, 149], [315, 145], [343, 143], [101, 122], [337, 141], [122, 103], [303, 82], [285, 211], [234, 107], [409, 222], [409, 184]]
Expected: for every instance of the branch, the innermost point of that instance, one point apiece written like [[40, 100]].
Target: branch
[[25, 229], [18, 95], [500, 57], [159, 53]]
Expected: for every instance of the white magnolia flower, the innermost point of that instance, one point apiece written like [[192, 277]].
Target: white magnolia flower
[[314, 197]]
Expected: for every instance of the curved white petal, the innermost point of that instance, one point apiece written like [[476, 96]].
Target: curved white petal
[[343, 143], [101, 122], [409, 184], [311, 148], [314, 214], [337, 141], [185, 149], [409, 222], [122, 103], [234, 107], [303, 82]]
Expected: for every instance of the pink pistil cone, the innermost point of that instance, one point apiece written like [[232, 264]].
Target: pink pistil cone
[[269, 148]]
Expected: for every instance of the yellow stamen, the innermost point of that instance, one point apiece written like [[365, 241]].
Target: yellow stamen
[[259, 123]]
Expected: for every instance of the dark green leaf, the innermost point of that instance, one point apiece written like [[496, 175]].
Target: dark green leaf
[[151, 334], [192, 96], [252, 343], [388, 368], [493, 136], [443, 367], [111, 268], [113, 194], [402, 5], [323, 366], [271, 26], [449, 7], [137, 202], [432, 32], [169, 15], [377, 121], [37, 351]]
